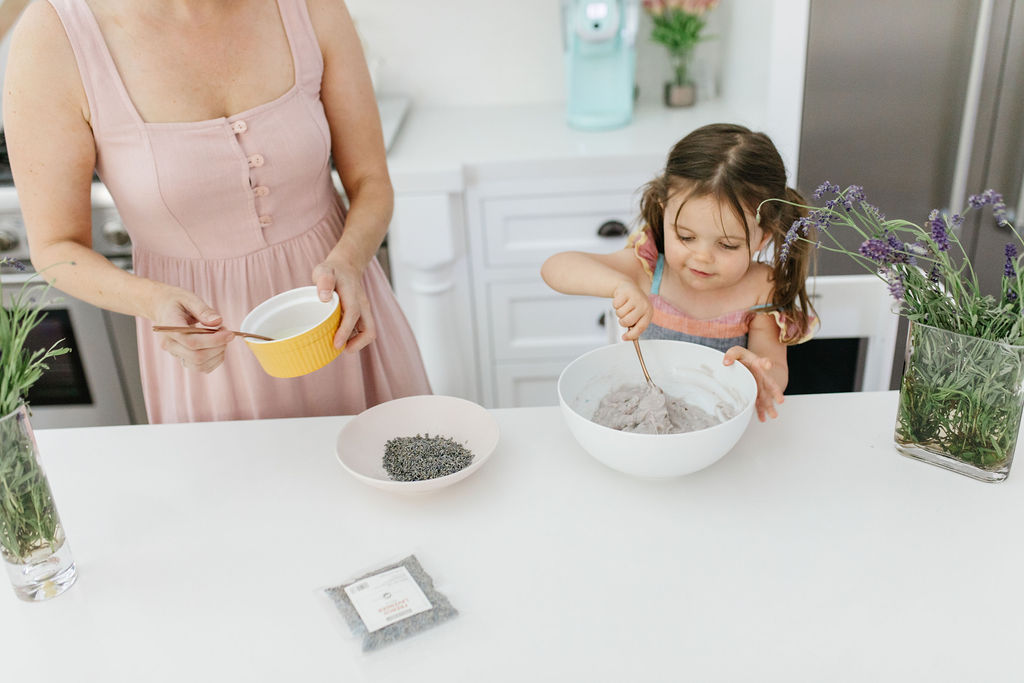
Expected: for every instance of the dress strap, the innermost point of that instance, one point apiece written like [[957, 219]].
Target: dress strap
[[656, 278], [109, 103], [306, 55]]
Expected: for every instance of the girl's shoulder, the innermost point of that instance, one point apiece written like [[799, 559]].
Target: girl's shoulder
[[645, 251]]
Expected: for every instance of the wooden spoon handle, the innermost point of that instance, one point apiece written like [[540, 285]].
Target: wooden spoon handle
[[206, 330]]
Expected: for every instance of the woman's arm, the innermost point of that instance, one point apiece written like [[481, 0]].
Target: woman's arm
[[53, 154], [9, 11], [357, 145]]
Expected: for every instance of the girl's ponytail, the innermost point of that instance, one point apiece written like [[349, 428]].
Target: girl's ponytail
[[652, 209], [790, 275]]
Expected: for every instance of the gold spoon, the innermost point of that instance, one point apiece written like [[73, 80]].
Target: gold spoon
[[643, 366], [211, 330]]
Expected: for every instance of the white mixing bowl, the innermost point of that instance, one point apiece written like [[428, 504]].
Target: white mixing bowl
[[689, 371]]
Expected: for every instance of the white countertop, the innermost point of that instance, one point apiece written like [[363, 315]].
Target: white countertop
[[440, 148], [811, 552]]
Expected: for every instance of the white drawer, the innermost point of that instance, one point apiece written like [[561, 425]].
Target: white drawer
[[522, 385], [524, 231], [531, 321]]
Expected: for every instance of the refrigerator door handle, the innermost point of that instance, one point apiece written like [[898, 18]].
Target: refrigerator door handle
[[968, 122], [1020, 204]]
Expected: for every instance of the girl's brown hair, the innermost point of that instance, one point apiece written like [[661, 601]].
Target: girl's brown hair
[[742, 169]]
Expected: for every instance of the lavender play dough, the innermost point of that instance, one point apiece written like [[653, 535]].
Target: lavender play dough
[[648, 410]]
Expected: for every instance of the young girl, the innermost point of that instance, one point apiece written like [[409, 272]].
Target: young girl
[[691, 272]]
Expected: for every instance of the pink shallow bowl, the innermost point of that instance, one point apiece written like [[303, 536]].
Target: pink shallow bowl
[[361, 441], [689, 371]]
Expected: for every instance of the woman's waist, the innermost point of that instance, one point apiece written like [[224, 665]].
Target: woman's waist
[[237, 238]]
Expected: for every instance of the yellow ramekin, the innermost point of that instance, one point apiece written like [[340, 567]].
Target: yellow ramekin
[[303, 330]]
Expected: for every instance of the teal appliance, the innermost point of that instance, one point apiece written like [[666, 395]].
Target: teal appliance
[[600, 62]]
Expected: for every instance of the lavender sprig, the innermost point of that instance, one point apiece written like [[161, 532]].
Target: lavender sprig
[[926, 268]]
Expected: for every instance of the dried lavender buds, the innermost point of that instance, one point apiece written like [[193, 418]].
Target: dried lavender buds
[[441, 609], [415, 458]]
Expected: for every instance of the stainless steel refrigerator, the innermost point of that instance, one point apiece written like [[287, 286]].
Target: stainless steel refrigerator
[[922, 103]]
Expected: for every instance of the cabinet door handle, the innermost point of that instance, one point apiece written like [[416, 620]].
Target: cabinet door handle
[[612, 229]]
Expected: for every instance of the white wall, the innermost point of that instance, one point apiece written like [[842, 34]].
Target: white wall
[[487, 52], [484, 52]]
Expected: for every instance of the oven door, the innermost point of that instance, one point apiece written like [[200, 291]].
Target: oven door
[[81, 388]]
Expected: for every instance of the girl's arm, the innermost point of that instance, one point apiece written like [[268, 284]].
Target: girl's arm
[[617, 276], [765, 357], [357, 146], [49, 138]]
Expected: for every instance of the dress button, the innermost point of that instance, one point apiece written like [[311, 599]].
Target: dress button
[[266, 221], [260, 191], [255, 160], [239, 127]]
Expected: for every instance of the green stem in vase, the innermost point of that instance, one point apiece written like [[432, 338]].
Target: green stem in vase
[[28, 516], [962, 396]]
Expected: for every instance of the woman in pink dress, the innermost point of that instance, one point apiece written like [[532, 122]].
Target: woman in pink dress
[[213, 124]]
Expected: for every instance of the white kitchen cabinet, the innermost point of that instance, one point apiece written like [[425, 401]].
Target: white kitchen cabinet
[[526, 332]]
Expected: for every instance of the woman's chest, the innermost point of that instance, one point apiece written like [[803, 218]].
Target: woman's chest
[[176, 72]]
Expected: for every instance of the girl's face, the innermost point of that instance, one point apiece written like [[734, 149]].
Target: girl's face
[[705, 243]]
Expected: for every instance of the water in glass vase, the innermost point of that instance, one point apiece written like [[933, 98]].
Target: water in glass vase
[[961, 402], [33, 545], [45, 573]]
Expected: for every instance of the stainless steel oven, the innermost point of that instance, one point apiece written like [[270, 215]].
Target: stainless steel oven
[[98, 382]]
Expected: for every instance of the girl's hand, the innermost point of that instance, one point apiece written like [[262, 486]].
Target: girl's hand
[[201, 352], [633, 309], [357, 328], [768, 391]]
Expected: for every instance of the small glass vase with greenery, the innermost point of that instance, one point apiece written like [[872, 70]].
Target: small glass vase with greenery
[[32, 541], [679, 26], [962, 392]]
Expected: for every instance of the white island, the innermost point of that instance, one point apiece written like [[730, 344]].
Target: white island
[[811, 552]]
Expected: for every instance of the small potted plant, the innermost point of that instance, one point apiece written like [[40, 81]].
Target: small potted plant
[[32, 542], [962, 391], [678, 25]]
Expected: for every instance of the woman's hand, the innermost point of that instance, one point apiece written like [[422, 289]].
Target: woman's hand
[[768, 391], [357, 327], [633, 309], [201, 352]]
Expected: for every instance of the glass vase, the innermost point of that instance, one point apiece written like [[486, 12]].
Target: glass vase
[[681, 90], [32, 542], [960, 402]]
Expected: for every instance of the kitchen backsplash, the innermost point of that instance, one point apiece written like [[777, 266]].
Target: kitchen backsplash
[[468, 52]]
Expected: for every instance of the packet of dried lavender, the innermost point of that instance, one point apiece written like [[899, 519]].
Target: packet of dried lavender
[[391, 603]]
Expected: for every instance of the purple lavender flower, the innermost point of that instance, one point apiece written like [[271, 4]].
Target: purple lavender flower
[[12, 262], [872, 211], [826, 188], [1010, 270], [993, 198], [791, 236], [999, 213], [897, 289], [938, 229], [854, 194], [878, 250], [819, 218], [976, 201]]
